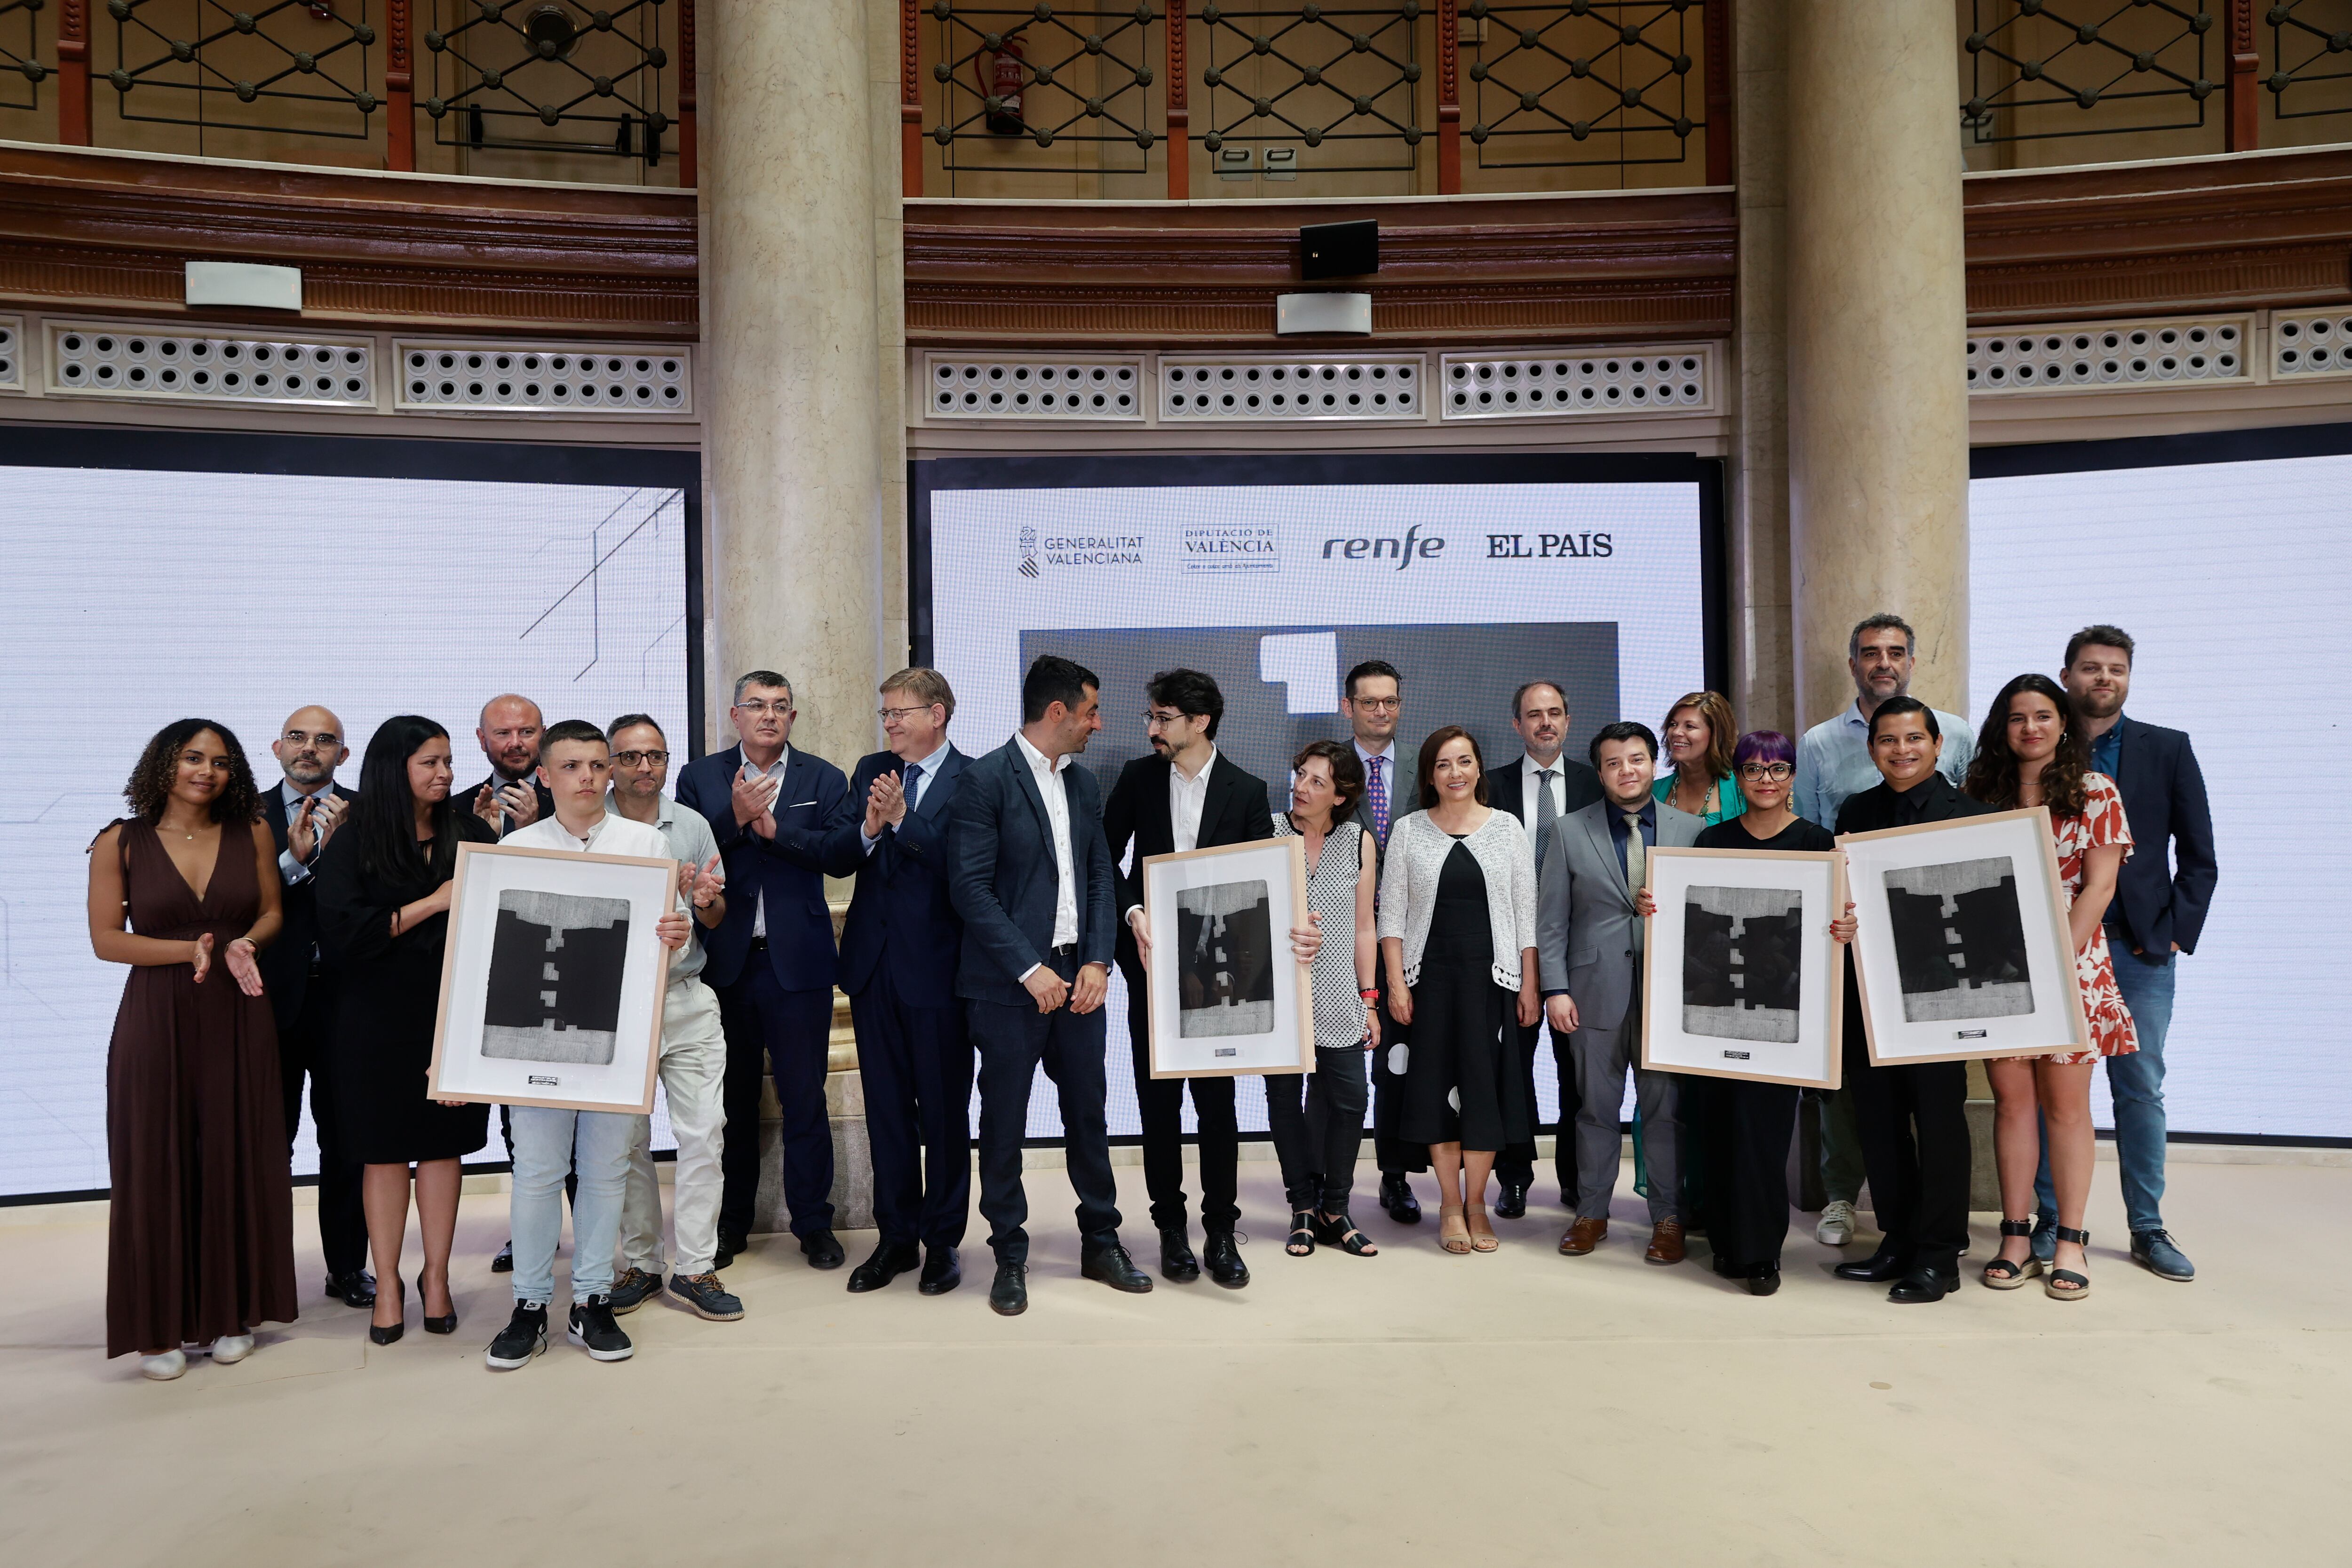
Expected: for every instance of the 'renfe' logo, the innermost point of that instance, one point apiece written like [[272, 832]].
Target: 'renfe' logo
[[1404, 552]]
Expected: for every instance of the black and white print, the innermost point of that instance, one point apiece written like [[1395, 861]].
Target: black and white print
[[1959, 941], [554, 990], [1225, 959], [1741, 948]]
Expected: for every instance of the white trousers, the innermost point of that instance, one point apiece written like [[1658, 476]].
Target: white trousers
[[693, 1077]]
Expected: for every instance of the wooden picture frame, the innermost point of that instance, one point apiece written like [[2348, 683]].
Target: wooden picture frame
[[467, 1064], [2053, 1022], [1680, 1036], [1233, 1032]]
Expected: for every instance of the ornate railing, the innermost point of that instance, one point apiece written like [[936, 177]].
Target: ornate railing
[[1286, 79], [1612, 78], [22, 69], [2311, 45], [291, 67], [550, 76], [1046, 76], [2048, 69]]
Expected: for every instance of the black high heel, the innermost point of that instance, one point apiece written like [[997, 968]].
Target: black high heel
[[445, 1325], [380, 1335], [1302, 1234]]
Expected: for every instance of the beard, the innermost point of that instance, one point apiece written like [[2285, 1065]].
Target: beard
[[307, 770]]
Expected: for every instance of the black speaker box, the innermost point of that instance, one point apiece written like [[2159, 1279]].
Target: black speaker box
[[1338, 249]]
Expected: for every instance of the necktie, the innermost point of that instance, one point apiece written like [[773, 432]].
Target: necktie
[[914, 777], [1546, 813], [1636, 855], [1378, 794]]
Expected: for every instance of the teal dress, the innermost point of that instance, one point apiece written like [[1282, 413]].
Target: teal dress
[[1725, 803]]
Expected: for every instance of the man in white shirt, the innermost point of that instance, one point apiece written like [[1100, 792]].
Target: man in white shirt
[[1373, 703], [575, 764]]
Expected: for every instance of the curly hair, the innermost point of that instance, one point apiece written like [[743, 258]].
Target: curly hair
[[159, 766], [1992, 775], [1347, 772], [1722, 729]]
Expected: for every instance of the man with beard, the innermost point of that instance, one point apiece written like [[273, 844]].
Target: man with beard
[[511, 797], [303, 812]]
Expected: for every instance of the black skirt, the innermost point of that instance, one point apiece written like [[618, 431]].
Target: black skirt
[[1462, 1079]]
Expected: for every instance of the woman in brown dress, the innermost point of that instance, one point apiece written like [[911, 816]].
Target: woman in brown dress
[[200, 1243]]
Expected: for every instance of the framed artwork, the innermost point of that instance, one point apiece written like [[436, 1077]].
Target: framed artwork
[[551, 980], [1740, 976], [1961, 947], [1226, 995]]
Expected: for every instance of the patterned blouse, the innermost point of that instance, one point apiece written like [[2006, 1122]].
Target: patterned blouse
[[1332, 894]]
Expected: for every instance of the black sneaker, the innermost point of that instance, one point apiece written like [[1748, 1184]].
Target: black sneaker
[[704, 1297], [631, 1290], [524, 1337], [593, 1330]]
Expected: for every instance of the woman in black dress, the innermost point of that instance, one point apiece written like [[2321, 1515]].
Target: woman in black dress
[[1457, 924], [1742, 1129], [383, 906]]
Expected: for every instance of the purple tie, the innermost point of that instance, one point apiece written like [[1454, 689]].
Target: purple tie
[[1378, 794]]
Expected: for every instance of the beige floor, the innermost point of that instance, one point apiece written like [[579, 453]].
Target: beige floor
[[1519, 1408]]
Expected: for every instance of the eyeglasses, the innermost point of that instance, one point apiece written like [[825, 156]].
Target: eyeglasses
[[1379, 704], [1153, 718], [896, 715], [762, 709], [324, 738], [631, 758], [1777, 773]]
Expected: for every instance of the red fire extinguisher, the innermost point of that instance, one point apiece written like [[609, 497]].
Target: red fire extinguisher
[[1002, 81]]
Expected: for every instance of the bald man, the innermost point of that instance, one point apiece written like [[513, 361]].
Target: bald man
[[511, 797], [305, 810]]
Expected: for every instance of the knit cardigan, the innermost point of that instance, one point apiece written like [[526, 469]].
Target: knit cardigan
[[1416, 853]]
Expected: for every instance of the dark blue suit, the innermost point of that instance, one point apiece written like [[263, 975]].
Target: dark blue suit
[[1004, 881], [2163, 800], [900, 949], [775, 994]]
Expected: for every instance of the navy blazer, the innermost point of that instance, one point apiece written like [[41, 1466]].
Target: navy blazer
[[2162, 898], [284, 963], [788, 869], [466, 798], [902, 927], [1233, 811], [1003, 877]]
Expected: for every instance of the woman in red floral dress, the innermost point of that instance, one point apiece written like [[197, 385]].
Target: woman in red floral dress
[[2032, 753]]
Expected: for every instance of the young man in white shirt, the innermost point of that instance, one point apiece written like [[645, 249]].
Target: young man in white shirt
[[575, 763]]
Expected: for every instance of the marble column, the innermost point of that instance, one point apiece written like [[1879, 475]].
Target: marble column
[[1763, 688], [1877, 314]]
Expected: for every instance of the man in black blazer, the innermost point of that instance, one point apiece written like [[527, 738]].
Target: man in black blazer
[[1517, 788], [1186, 794], [899, 950], [1913, 1119], [1373, 703], [1032, 881], [512, 796], [303, 812], [2157, 913], [772, 959]]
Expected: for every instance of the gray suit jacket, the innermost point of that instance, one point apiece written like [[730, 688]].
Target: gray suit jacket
[[1588, 937]]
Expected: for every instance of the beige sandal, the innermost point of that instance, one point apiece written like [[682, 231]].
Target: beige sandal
[[1453, 1234], [1482, 1234]]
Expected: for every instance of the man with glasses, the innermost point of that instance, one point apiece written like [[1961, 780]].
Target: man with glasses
[[1372, 702], [303, 812], [773, 958], [693, 1051]]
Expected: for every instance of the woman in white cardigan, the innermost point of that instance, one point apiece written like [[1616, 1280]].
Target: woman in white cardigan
[[1457, 926]]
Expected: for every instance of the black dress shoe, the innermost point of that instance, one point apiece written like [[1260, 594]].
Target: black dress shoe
[[942, 1271], [730, 1246], [1222, 1257], [504, 1262], [1763, 1278], [887, 1263], [1114, 1268], [1876, 1269], [1396, 1196], [1925, 1283], [1009, 1296], [1176, 1259], [1513, 1202], [821, 1249], [356, 1289]]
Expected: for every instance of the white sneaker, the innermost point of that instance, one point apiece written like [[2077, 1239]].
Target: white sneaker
[[1837, 1223], [230, 1348], [165, 1367]]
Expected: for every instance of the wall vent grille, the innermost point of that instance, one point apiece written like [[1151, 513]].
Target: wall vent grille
[[544, 378], [2306, 344], [2111, 353], [1670, 378], [1064, 388], [113, 360], [1286, 389], [12, 353]]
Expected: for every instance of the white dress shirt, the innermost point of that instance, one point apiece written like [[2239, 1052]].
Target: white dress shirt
[[1048, 775], [290, 871], [1529, 784], [1185, 799], [775, 770], [931, 767]]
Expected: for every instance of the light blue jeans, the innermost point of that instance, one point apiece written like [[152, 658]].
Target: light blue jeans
[[547, 1145], [2137, 1082]]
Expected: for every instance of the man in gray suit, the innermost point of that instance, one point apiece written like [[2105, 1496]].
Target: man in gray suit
[[1589, 939]]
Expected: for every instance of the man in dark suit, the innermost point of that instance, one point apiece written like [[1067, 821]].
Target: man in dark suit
[[303, 812], [1372, 702], [1913, 1119], [1186, 794], [2157, 913], [1032, 879], [899, 950], [772, 959], [1540, 789], [512, 796]]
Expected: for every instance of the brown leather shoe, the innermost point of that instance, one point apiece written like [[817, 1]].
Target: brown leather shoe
[[1583, 1237], [1665, 1242]]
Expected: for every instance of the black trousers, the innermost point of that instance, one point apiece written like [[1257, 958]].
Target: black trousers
[[1013, 1040], [1517, 1161], [342, 1218], [1317, 1121], [1161, 1102], [1394, 1155], [1740, 1133], [915, 1065], [1915, 1149], [790, 1030]]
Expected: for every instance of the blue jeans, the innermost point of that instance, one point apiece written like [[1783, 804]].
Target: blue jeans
[[2137, 1082], [547, 1145]]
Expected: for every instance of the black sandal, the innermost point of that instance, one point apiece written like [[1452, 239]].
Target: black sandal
[[2002, 1274], [2066, 1284], [1341, 1232], [1302, 1234]]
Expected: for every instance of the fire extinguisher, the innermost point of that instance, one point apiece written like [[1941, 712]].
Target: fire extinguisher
[[1002, 81]]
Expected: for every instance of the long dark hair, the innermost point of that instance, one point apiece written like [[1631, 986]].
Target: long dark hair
[[1992, 775], [383, 818], [159, 766], [1426, 782]]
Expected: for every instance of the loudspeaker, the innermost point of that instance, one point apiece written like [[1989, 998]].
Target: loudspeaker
[[1338, 249]]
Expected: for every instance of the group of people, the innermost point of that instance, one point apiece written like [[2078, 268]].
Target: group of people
[[1455, 911]]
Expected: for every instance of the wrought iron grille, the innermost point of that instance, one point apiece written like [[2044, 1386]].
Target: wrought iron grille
[[21, 70], [2307, 53], [1616, 70], [2089, 57], [1045, 74], [184, 62], [548, 76], [1316, 76]]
